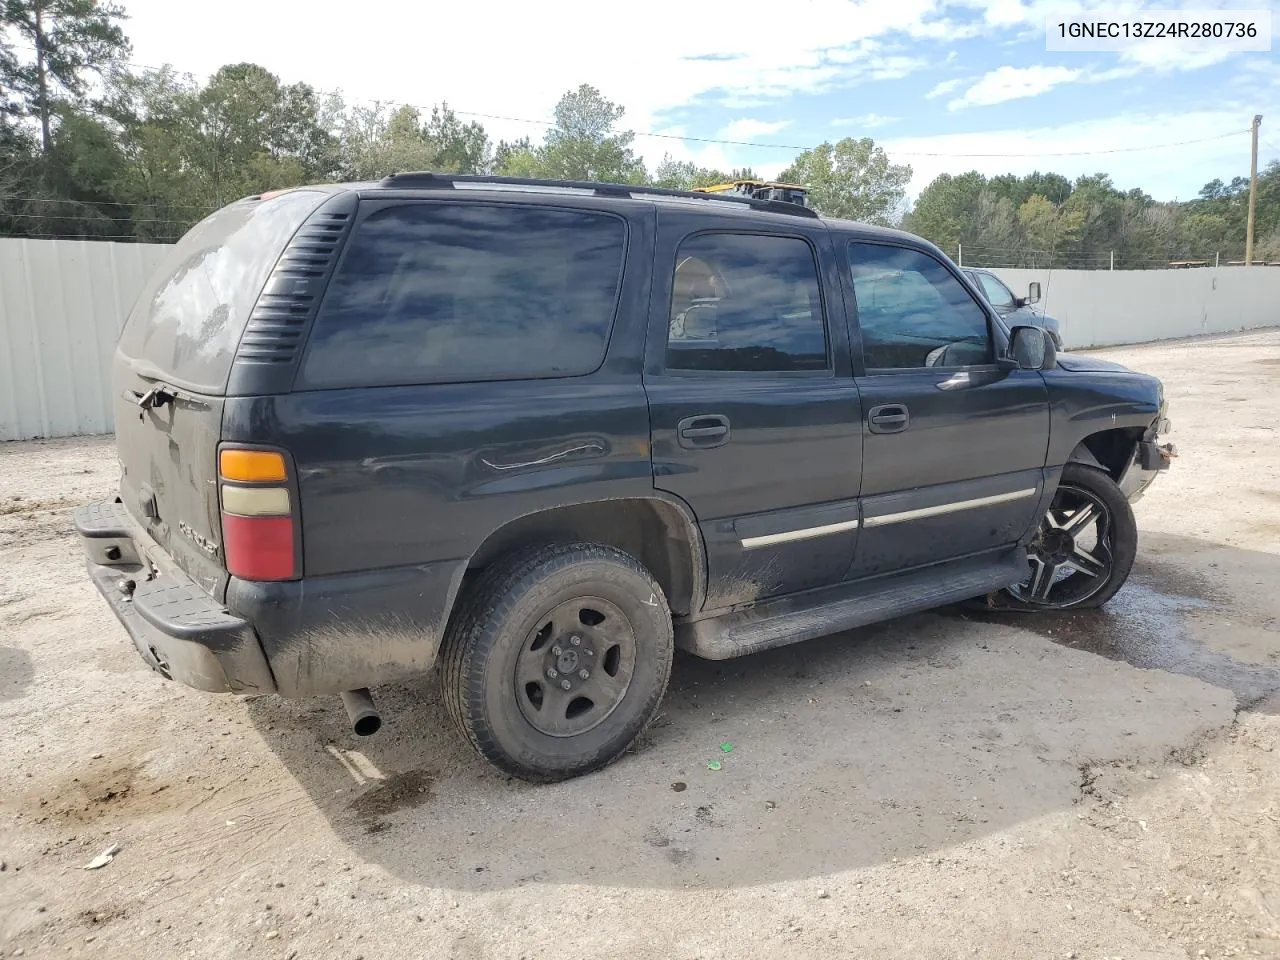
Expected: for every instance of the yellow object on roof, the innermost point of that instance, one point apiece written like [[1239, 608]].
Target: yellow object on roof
[[759, 190]]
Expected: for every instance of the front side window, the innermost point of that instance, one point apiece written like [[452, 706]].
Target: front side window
[[746, 303], [996, 292], [912, 312], [451, 292]]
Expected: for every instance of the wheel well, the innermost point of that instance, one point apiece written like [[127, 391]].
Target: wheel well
[[653, 531], [1108, 449]]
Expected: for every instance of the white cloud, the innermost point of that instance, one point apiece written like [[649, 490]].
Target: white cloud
[[1013, 83], [867, 121], [943, 88], [521, 62], [749, 128], [1171, 57]]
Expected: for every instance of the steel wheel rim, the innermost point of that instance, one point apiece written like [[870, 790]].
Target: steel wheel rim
[[575, 666], [1064, 571]]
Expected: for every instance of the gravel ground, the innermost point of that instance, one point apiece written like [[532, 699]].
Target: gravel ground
[[1093, 786]]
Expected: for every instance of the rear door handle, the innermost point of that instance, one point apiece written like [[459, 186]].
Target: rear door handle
[[703, 431], [888, 418]]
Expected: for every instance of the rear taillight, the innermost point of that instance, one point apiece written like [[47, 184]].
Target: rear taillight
[[258, 515]]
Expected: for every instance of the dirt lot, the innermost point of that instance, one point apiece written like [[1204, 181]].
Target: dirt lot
[[1093, 786]]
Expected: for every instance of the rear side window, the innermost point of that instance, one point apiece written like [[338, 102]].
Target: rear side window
[[746, 303], [451, 292], [186, 324]]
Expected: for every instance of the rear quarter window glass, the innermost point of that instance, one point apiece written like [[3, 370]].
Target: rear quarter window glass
[[186, 324], [452, 292]]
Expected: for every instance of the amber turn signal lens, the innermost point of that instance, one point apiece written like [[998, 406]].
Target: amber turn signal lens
[[252, 466]]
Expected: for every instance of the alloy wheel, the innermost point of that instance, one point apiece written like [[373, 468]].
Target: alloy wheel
[[1071, 557]]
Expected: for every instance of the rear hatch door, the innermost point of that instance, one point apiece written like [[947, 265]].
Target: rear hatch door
[[171, 368]]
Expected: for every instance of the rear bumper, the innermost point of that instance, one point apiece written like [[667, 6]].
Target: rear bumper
[[296, 638], [179, 630]]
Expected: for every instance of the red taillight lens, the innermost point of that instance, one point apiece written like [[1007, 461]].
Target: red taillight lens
[[257, 516], [258, 548]]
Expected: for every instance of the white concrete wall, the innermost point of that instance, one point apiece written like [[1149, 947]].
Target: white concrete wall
[[62, 304], [1099, 308]]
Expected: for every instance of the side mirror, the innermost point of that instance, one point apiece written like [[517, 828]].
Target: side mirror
[[1033, 292], [1031, 348]]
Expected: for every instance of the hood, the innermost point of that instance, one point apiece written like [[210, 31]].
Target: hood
[[1077, 363]]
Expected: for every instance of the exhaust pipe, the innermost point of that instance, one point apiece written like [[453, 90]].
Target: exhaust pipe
[[365, 720]]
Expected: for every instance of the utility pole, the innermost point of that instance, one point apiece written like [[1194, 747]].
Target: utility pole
[[1253, 192]]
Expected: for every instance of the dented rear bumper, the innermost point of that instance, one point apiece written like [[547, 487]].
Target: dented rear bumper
[[296, 638], [177, 628]]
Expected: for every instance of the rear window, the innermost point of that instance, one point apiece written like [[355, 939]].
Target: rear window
[[188, 320], [452, 292]]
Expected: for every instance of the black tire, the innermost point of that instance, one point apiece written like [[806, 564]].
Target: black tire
[[1116, 534], [509, 623]]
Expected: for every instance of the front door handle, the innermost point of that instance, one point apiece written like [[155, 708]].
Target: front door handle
[[703, 431], [888, 418]]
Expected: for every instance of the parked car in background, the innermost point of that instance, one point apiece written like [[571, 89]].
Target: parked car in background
[[1014, 311]]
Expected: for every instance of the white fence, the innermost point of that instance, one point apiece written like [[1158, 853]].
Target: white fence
[[62, 303], [1098, 308]]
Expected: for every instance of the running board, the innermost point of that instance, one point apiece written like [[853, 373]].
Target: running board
[[816, 613]]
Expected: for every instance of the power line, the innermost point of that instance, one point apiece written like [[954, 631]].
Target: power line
[[127, 237], [81, 217], [734, 143], [204, 211]]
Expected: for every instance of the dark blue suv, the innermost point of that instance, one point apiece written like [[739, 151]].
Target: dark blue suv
[[538, 434]]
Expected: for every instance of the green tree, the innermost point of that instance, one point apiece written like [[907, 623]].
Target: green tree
[[69, 39], [673, 174], [459, 147], [85, 167], [852, 179], [379, 141], [1098, 209], [512, 155], [247, 132], [998, 233], [1049, 229], [19, 175], [1052, 186], [584, 144], [153, 113], [946, 210]]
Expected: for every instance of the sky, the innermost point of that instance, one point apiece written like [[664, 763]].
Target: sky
[[943, 86]]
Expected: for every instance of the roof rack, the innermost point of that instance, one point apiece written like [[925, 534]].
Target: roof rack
[[425, 180]]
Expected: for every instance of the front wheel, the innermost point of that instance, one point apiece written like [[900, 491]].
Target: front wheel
[[1085, 546], [558, 660]]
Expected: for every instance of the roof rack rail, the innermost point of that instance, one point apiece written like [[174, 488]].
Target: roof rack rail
[[426, 180]]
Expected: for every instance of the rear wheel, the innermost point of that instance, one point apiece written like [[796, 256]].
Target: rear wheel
[[1085, 546], [558, 660]]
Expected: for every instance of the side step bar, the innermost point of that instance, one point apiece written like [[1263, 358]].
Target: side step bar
[[776, 623]]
